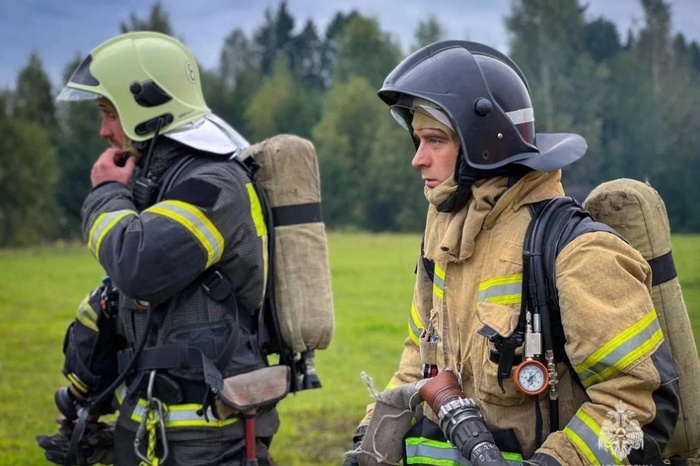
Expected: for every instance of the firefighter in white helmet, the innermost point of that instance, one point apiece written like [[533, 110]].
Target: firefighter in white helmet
[[189, 262]]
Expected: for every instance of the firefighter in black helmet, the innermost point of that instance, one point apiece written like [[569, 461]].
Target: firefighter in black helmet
[[468, 109]]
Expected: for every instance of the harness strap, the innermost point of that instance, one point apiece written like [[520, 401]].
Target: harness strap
[[662, 269]]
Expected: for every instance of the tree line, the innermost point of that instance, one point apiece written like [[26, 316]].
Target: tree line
[[632, 95]]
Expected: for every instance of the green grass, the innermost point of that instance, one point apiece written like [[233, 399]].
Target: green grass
[[372, 282]]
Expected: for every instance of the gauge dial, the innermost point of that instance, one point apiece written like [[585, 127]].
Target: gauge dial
[[531, 377]]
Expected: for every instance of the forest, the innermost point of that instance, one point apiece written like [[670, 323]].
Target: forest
[[633, 95]]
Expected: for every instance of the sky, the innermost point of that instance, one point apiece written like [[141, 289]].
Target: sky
[[61, 30]]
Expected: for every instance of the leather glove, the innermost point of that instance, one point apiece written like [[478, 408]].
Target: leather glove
[[351, 458], [96, 446]]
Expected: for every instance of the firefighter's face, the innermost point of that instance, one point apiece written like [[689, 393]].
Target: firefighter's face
[[111, 127], [436, 156]]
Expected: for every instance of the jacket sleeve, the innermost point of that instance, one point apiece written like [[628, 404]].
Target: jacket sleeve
[[616, 346], [151, 255], [410, 366]]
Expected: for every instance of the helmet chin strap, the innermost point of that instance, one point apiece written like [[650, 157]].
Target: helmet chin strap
[[465, 176]]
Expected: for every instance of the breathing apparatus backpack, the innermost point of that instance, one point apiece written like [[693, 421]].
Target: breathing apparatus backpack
[[636, 212], [297, 315], [299, 301]]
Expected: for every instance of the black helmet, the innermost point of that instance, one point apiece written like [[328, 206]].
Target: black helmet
[[487, 98]]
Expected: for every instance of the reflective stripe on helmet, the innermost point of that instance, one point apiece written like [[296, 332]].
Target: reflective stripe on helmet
[[524, 115]]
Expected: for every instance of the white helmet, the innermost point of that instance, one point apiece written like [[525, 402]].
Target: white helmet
[[148, 77]]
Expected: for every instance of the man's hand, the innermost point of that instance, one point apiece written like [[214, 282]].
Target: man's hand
[[96, 446], [351, 456], [107, 168]]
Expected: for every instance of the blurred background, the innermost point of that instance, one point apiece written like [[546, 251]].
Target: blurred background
[[624, 74]]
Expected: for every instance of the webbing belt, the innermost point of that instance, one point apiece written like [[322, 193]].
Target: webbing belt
[[177, 356]]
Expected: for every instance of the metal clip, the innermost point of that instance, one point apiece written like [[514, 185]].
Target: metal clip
[[161, 426], [140, 434], [152, 404]]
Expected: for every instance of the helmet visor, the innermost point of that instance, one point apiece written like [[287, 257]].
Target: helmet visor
[[72, 95], [404, 109]]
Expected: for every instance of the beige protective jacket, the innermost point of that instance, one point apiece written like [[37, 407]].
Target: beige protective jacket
[[614, 341]]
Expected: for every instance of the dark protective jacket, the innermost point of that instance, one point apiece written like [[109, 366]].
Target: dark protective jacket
[[211, 218], [614, 341]]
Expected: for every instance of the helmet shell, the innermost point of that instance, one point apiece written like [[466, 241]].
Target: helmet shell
[[146, 76], [481, 90]]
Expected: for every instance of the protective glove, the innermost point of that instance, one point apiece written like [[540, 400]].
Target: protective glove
[[96, 446], [351, 458]]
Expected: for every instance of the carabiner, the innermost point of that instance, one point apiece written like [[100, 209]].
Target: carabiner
[[161, 425], [140, 434], [151, 383]]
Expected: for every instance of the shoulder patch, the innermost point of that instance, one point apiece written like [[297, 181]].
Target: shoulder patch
[[194, 191]]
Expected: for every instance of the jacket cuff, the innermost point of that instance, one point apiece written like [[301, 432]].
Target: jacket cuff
[[359, 434], [540, 459], [104, 183]]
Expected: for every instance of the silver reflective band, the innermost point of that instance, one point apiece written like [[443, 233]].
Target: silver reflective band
[[70, 94], [524, 115]]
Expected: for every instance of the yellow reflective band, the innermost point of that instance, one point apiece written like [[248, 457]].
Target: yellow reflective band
[[72, 378], [196, 223], [585, 433], [502, 290], [426, 451], [504, 280], [256, 211], [626, 348], [103, 225], [415, 326], [86, 315], [438, 282], [260, 228], [512, 456], [184, 415]]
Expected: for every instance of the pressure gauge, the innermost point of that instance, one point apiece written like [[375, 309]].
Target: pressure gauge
[[531, 377]]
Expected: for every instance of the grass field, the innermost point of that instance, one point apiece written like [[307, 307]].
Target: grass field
[[372, 281]]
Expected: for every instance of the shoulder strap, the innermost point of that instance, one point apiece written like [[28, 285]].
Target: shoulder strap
[[543, 241], [180, 168], [555, 224], [428, 264]]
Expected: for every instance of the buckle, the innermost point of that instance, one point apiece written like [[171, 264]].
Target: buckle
[[216, 285]]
